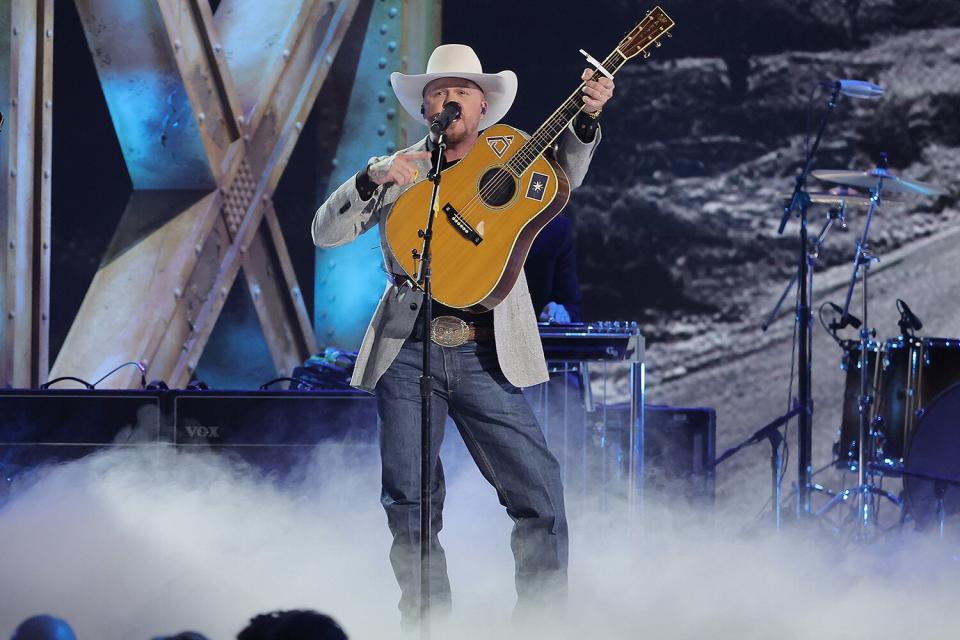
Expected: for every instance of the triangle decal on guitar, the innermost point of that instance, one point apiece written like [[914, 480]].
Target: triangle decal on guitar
[[499, 144]]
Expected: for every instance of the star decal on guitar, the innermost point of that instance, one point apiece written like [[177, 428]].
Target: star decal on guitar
[[538, 186]]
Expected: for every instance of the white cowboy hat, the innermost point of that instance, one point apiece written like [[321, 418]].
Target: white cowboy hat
[[457, 61]]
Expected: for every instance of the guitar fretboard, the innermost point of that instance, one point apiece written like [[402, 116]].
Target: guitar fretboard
[[556, 123]]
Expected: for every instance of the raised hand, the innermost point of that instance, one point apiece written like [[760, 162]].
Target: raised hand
[[399, 169]]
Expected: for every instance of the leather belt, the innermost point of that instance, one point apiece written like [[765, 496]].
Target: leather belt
[[450, 331]]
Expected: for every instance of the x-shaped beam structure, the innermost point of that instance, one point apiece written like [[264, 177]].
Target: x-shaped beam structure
[[207, 110]]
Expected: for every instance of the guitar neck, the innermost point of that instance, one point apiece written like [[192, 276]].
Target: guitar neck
[[559, 120]]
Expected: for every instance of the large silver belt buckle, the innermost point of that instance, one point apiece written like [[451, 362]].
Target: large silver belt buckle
[[448, 331]]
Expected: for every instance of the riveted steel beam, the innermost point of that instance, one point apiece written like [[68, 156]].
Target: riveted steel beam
[[183, 249], [145, 288], [276, 296], [307, 62], [258, 38], [420, 33], [26, 85], [201, 63], [305, 66], [141, 70]]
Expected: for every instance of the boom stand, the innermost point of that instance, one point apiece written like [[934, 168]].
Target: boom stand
[[771, 432], [835, 214], [801, 201], [426, 393]]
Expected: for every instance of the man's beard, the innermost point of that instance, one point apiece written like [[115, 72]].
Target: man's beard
[[459, 135]]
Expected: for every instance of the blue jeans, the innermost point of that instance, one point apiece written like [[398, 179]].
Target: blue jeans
[[506, 443]]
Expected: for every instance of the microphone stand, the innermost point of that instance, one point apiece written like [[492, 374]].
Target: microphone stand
[[836, 214], [426, 392], [800, 201], [771, 432]]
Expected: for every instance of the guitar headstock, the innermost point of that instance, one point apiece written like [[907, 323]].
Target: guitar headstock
[[648, 32]]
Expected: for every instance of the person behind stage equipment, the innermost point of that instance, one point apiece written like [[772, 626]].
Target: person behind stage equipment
[[551, 270]]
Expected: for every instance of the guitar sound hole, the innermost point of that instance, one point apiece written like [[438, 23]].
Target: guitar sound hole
[[497, 187]]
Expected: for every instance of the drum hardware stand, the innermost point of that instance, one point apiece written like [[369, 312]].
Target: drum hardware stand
[[866, 435], [939, 492], [800, 202], [815, 487], [771, 432], [844, 495], [426, 391]]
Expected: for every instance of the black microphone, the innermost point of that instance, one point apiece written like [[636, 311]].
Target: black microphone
[[852, 320], [440, 122], [908, 317], [856, 88]]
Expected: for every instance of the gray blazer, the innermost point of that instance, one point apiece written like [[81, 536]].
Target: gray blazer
[[344, 216]]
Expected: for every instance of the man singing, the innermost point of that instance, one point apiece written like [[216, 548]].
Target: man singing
[[477, 382]]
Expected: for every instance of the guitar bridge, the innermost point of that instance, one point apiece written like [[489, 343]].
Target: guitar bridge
[[461, 225]]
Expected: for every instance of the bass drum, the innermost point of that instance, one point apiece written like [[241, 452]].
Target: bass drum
[[939, 369], [934, 454], [911, 382]]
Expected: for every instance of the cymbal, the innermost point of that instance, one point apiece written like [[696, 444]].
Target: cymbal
[[834, 199], [869, 180]]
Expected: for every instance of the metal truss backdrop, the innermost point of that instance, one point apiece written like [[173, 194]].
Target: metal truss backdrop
[[206, 103]]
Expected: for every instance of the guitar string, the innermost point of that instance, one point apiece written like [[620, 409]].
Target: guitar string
[[505, 176]]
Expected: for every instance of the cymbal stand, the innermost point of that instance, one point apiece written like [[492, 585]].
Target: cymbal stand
[[866, 489]]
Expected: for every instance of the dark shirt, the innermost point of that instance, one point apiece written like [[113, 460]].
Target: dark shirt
[[551, 269]]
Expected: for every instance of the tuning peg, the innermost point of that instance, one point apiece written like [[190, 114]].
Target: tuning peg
[[669, 35], [646, 54], [659, 44]]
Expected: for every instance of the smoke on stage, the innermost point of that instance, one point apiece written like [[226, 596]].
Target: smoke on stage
[[134, 544]]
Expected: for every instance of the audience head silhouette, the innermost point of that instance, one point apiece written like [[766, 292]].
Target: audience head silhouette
[[43, 627], [292, 625]]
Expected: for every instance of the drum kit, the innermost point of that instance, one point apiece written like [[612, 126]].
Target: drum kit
[[901, 407]]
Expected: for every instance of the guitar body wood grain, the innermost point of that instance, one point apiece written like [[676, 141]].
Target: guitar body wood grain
[[485, 223]]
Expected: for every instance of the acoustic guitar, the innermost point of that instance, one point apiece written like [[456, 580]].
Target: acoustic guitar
[[495, 201]]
